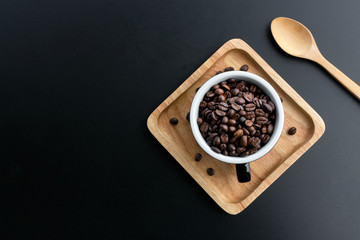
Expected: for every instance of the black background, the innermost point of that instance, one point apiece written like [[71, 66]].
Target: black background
[[78, 80]]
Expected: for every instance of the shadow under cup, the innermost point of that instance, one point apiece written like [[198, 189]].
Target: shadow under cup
[[242, 163]]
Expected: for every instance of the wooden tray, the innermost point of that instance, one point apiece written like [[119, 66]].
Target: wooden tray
[[223, 187]]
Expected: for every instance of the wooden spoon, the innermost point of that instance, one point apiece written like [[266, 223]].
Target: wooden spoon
[[295, 39]]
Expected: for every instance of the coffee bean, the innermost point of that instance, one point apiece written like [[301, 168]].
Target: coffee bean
[[210, 171], [232, 129], [236, 107], [261, 120], [256, 142], [203, 104], [281, 99], [228, 69], [174, 121], [198, 157], [250, 107], [200, 121], [227, 94], [244, 67], [226, 87], [248, 96], [231, 147], [238, 133], [224, 120], [218, 72], [270, 128], [224, 127], [266, 139], [217, 141], [231, 80], [224, 138], [235, 92], [264, 129], [197, 89], [243, 141], [210, 94], [219, 91], [188, 116], [231, 113], [214, 116], [267, 107], [233, 153], [253, 88], [240, 101], [215, 149], [204, 127], [222, 98], [244, 154], [223, 146], [240, 149], [246, 132], [292, 131], [220, 113], [232, 122], [259, 112], [248, 123]]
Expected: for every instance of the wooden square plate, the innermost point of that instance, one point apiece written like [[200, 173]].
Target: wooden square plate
[[223, 186]]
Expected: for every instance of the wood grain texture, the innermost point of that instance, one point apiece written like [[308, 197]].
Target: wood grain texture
[[223, 187]]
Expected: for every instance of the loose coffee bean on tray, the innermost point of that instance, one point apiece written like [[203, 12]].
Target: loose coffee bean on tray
[[236, 118], [174, 121], [292, 131], [188, 116], [198, 157], [210, 171], [244, 67]]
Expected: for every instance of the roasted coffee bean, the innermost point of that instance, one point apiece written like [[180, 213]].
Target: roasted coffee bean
[[227, 94], [248, 123], [257, 133], [252, 151], [228, 69], [197, 89], [200, 121], [246, 132], [235, 92], [292, 131], [223, 106], [224, 127], [198, 157], [225, 87], [222, 98], [215, 149], [210, 171], [266, 139], [210, 94], [250, 107], [220, 113], [272, 116], [224, 138], [236, 107], [231, 80], [249, 115], [238, 133], [256, 125], [242, 119], [218, 72], [214, 116], [216, 86], [259, 112], [262, 136], [267, 107], [233, 153], [224, 152], [212, 136], [204, 127], [243, 141], [232, 140], [224, 120], [248, 96], [232, 129], [244, 67], [270, 128], [219, 91], [244, 154], [223, 146], [174, 121], [242, 113], [236, 116], [213, 122], [211, 105], [240, 101], [272, 105], [261, 120], [253, 88], [217, 141], [188, 116], [264, 129], [231, 147], [203, 104], [281, 99], [232, 100], [231, 113], [240, 149], [256, 142], [232, 122]]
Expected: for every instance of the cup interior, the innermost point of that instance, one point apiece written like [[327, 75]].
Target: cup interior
[[249, 78]]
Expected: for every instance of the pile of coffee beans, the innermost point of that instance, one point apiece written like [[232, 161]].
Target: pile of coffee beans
[[236, 118]]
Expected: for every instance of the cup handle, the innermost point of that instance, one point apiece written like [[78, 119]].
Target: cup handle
[[243, 172]]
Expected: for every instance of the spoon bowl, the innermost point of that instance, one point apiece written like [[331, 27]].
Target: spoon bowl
[[295, 39]]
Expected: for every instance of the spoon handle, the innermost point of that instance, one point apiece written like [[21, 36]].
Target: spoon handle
[[349, 84]]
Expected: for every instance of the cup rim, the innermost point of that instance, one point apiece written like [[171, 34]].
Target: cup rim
[[250, 78]]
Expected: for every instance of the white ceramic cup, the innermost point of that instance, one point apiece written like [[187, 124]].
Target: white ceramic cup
[[251, 79]]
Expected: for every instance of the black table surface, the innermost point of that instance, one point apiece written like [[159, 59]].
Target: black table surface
[[78, 80]]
